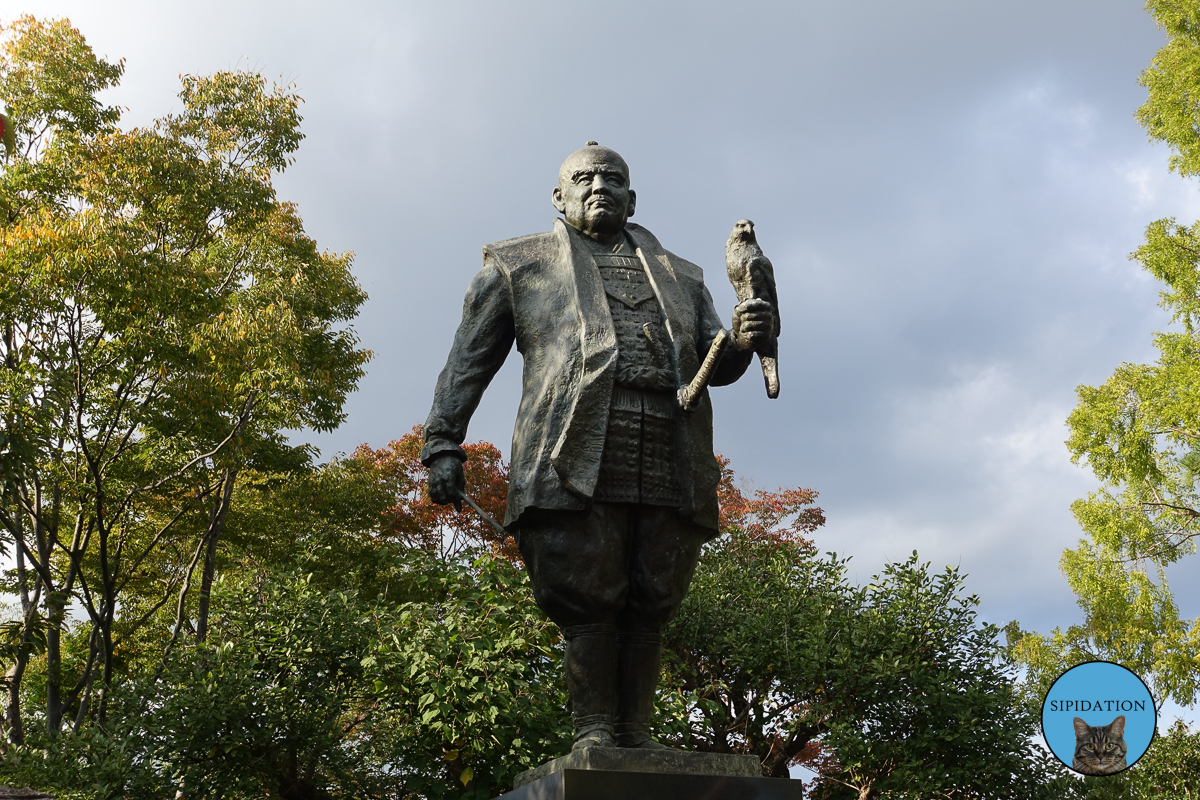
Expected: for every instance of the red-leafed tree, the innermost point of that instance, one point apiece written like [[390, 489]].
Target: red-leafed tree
[[784, 515], [414, 519]]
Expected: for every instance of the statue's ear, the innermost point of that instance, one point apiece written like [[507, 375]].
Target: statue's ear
[[632, 202], [557, 200]]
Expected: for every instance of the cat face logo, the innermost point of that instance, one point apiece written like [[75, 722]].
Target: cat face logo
[[1098, 718], [1099, 749]]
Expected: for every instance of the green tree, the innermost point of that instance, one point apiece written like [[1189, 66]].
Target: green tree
[[164, 319], [925, 702], [1139, 433], [341, 663], [307, 691], [1171, 767], [893, 689]]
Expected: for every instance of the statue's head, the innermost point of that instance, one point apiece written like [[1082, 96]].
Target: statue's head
[[593, 190]]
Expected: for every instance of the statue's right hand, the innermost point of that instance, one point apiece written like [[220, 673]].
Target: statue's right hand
[[447, 481]]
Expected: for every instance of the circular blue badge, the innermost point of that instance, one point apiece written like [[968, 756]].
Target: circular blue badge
[[1098, 718]]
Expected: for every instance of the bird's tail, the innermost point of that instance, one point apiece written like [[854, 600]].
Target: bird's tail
[[768, 354]]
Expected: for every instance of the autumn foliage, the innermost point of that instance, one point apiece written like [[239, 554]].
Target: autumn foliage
[[760, 516], [784, 515], [414, 519]]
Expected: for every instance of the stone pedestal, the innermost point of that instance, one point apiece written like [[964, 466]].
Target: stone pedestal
[[22, 794], [627, 774]]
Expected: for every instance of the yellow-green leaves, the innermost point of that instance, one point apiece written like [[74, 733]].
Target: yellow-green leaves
[[164, 317], [8, 134], [49, 77], [238, 121], [1139, 432]]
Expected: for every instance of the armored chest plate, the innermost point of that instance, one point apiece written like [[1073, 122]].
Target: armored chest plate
[[643, 355], [638, 463], [624, 280]]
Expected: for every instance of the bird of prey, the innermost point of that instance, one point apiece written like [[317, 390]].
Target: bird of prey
[[752, 275]]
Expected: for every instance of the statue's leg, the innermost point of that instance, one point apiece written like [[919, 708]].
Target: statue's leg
[[591, 667], [663, 554], [638, 662], [577, 568]]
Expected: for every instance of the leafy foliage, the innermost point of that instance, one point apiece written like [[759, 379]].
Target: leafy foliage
[[415, 519], [888, 690], [927, 705], [1171, 112], [311, 688], [1139, 432], [1171, 767], [163, 318], [305, 690], [893, 689], [483, 693]]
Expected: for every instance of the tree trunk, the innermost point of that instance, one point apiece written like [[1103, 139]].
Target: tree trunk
[[12, 708], [83, 689], [216, 521], [106, 669], [12, 703], [107, 611], [56, 608], [56, 605]]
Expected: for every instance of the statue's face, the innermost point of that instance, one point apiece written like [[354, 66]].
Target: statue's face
[[593, 191]]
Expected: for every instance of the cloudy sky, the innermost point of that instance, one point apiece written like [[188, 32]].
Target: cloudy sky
[[949, 191]]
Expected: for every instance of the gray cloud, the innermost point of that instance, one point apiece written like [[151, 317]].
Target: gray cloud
[[948, 190]]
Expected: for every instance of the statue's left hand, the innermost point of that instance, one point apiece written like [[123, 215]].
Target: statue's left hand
[[753, 320]]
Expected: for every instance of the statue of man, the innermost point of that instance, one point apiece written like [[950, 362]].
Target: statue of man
[[612, 486]]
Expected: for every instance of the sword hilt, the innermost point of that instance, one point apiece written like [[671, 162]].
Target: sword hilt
[[688, 395]]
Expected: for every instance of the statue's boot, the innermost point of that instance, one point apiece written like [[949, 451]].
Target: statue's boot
[[639, 655], [591, 666]]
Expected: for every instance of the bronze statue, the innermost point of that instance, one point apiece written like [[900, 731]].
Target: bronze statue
[[612, 484]]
